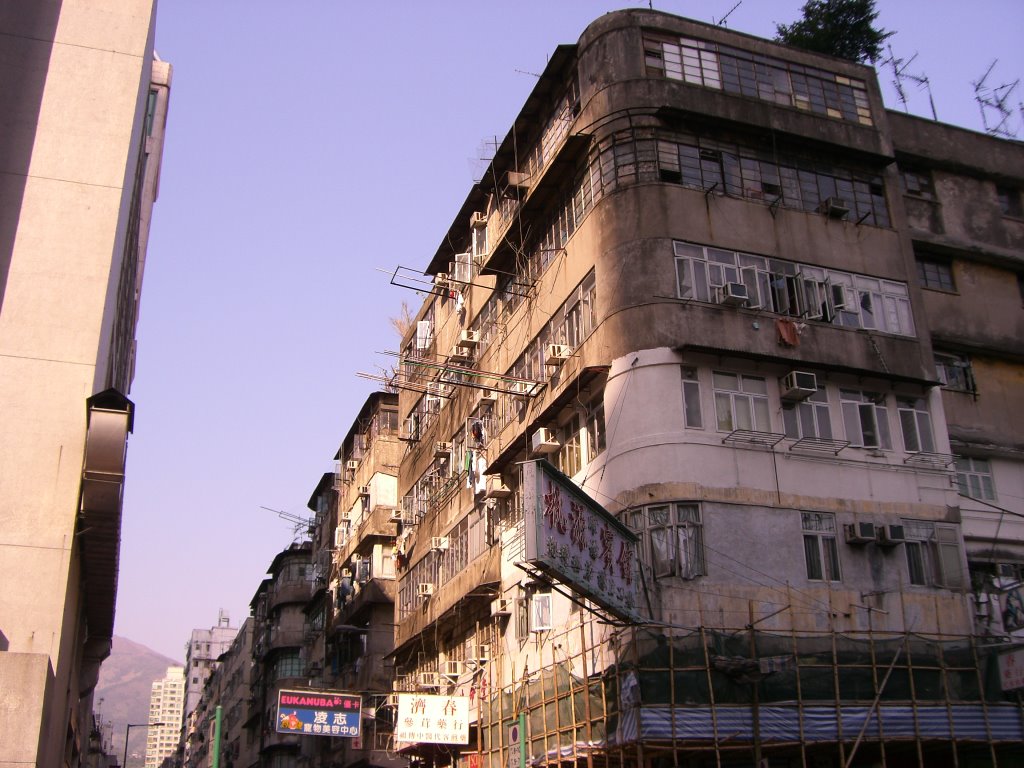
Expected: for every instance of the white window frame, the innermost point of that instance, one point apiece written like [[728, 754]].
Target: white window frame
[[540, 611], [934, 551], [743, 398], [915, 425], [974, 478], [821, 549], [673, 539], [794, 289], [864, 415], [693, 415], [808, 418]]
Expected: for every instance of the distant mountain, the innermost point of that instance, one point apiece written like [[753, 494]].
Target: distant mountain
[[126, 680]]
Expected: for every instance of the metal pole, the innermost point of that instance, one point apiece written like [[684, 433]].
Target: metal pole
[[127, 729], [216, 736]]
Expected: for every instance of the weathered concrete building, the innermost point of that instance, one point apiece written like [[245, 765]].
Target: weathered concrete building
[[83, 104], [279, 628], [962, 197], [708, 279], [229, 687], [350, 618]]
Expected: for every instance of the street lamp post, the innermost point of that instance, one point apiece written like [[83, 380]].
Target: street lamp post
[[127, 729]]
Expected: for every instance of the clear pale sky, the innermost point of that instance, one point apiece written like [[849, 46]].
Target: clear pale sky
[[310, 145]]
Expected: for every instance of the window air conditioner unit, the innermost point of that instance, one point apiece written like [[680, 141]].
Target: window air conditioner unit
[[860, 533], [733, 294], [442, 450], [483, 653], [438, 544], [557, 354], [488, 396], [478, 220], [891, 535], [345, 516], [516, 179], [351, 465], [395, 516], [544, 441], [834, 207], [500, 607], [469, 338], [496, 489], [364, 490], [441, 279], [428, 680], [797, 385], [425, 589], [400, 683], [460, 354], [452, 668]]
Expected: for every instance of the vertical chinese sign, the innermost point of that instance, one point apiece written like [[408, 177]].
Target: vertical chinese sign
[[424, 718], [575, 540], [1011, 670], [319, 713]]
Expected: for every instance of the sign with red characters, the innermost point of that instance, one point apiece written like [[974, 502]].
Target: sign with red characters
[[575, 540]]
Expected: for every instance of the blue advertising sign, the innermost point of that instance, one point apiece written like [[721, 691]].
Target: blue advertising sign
[[319, 713]]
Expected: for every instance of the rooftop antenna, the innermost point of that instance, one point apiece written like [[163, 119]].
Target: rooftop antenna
[[995, 99], [298, 522], [485, 152], [899, 73], [721, 21]]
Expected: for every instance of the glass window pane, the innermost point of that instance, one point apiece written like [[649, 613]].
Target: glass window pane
[[761, 419], [924, 432], [723, 412], [812, 557], [831, 558], [744, 417], [691, 403], [909, 426]]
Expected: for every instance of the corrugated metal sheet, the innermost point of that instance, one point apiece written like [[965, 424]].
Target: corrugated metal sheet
[[965, 722]]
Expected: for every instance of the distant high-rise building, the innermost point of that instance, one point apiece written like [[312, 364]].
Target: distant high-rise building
[[83, 104], [165, 706]]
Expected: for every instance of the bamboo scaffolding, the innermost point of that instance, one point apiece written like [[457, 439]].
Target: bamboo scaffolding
[[647, 690]]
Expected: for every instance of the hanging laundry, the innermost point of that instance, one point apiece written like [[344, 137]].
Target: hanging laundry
[[477, 432], [481, 481], [789, 335]]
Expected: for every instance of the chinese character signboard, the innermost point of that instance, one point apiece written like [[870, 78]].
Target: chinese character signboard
[[319, 713], [572, 538], [432, 719], [1011, 670]]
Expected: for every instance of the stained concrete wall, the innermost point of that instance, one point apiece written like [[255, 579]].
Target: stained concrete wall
[[73, 97]]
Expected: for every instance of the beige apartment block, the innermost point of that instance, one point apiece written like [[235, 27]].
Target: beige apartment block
[[83, 103]]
